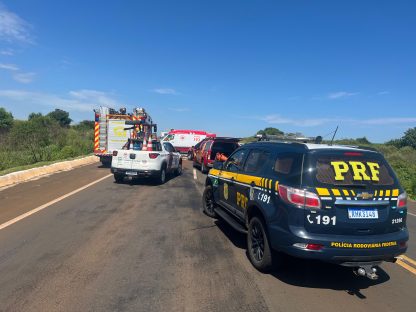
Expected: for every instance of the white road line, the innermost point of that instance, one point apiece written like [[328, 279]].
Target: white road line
[[412, 214], [195, 177], [33, 211]]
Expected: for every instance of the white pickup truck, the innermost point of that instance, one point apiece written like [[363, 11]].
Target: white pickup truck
[[135, 162]]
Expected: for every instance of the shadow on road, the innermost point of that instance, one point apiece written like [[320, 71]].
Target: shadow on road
[[146, 181], [311, 273]]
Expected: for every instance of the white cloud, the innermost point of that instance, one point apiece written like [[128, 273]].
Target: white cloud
[[166, 91], [277, 119], [386, 121], [7, 52], [11, 67], [80, 100], [383, 93], [13, 28], [312, 122], [24, 77], [340, 94], [179, 109]]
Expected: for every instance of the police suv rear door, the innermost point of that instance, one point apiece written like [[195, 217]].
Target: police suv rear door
[[358, 191]]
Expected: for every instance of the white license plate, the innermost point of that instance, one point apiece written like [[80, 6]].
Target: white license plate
[[131, 173], [362, 213]]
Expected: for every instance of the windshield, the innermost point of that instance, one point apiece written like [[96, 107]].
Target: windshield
[[169, 137], [346, 168]]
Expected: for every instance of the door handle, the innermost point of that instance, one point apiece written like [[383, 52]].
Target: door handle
[[252, 184], [232, 180]]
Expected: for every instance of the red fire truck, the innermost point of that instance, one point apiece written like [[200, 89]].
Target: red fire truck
[[110, 132]]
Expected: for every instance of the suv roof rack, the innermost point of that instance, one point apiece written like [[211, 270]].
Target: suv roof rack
[[289, 138]]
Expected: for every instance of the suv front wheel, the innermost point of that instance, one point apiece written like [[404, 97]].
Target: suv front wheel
[[258, 246], [208, 202]]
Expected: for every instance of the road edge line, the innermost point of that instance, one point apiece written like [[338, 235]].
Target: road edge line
[[35, 210]]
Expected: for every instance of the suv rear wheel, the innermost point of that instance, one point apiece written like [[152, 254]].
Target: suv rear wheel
[[118, 177], [258, 246], [162, 175], [178, 171]]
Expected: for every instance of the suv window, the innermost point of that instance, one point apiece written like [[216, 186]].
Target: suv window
[[236, 161], [226, 148], [256, 161], [207, 146], [288, 168], [157, 147], [352, 170], [168, 147]]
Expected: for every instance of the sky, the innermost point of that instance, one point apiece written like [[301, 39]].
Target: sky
[[228, 67]]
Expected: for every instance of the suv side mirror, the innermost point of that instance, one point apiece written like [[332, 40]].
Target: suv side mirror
[[218, 165]]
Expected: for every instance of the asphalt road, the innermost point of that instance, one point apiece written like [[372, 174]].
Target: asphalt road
[[143, 247]]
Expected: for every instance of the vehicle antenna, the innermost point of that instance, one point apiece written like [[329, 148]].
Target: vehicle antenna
[[335, 132]]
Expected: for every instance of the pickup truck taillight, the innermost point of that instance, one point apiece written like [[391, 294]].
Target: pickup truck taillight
[[299, 197], [153, 155], [115, 153]]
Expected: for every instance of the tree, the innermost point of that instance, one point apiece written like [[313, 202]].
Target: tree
[[270, 131], [363, 140], [6, 120], [85, 125], [34, 115], [35, 135], [61, 116], [409, 138]]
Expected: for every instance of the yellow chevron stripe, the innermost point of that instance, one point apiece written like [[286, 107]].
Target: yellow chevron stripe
[[270, 184], [336, 192], [322, 191], [387, 192], [395, 192], [276, 186], [381, 193], [345, 192]]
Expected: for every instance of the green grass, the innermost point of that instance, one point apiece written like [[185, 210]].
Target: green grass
[[38, 164]]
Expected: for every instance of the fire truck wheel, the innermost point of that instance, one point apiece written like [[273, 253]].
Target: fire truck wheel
[[118, 178]]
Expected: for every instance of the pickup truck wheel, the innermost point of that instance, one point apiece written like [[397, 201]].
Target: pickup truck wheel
[[258, 248], [208, 202], [178, 171], [162, 176], [118, 177], [203, 167]]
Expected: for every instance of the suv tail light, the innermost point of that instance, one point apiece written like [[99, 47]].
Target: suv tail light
[[153, 155], [298, 197], [402, 200], [115, 153]]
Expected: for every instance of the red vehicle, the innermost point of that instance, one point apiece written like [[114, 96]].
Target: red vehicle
[[204, 156], [184, 140]]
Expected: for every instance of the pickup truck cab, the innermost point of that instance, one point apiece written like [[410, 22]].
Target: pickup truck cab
[[134, 161]]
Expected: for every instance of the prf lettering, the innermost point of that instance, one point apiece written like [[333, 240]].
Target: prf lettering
[[242, 200], [359, 170]]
